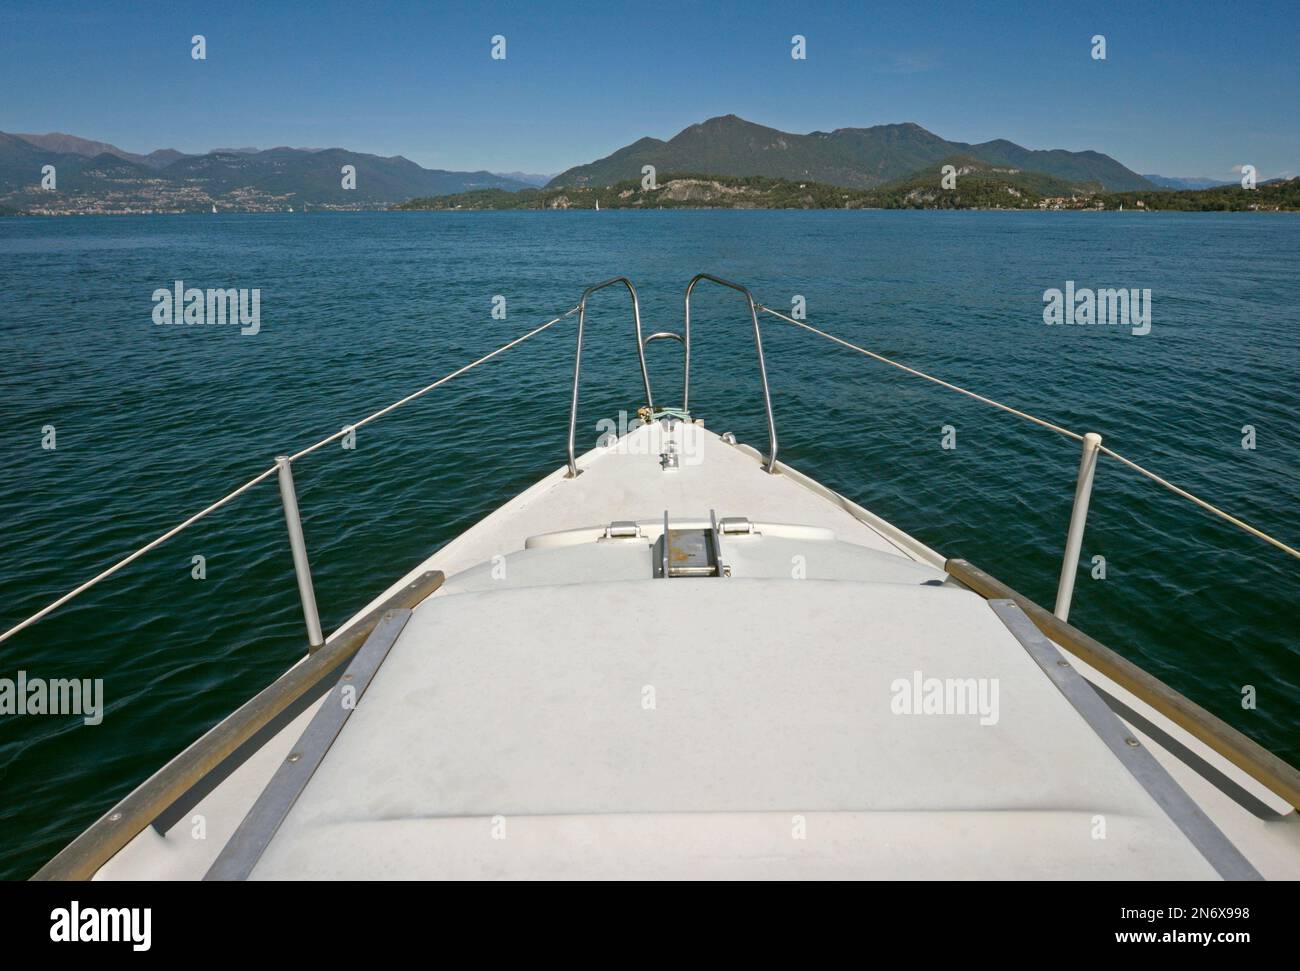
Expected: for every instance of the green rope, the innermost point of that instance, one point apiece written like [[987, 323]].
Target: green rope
[[671, 413]]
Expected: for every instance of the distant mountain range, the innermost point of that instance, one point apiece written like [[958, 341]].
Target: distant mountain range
[[99, 177], [860, 158], [62, 144], [527, 177], [903, 161], [1173, 182]]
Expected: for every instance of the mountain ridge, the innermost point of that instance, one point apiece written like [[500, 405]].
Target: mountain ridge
[[1186, 182], [96, 176], [65, 144], [860, 158]]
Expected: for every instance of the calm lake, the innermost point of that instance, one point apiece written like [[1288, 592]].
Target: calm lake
[[356, 310]]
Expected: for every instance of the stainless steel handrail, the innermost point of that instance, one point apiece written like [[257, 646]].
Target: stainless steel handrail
[[577, 360], [672, 335], [758, 345]]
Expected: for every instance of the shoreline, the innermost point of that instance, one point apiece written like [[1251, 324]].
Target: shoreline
[[573, 209]]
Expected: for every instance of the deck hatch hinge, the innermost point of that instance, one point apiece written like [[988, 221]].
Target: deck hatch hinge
[[715, 533], [622, 529], [737, 525]]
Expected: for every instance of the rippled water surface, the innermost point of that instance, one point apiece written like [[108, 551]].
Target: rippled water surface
[[359, 309]]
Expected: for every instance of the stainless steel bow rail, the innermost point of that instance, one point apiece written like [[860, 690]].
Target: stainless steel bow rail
[[758, 346], [577, 358], [684, 338]]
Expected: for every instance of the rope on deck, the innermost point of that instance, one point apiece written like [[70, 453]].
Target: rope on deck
[[261, 477], [1227, 517]]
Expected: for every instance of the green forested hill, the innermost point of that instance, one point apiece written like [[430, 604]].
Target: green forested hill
[[1278, 195], [978, 186], [859, 158]]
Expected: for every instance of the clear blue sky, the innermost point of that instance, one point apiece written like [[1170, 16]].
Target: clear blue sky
[[1188, 88]]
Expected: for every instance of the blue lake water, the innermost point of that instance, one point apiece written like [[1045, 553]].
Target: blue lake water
[[154, 422]]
